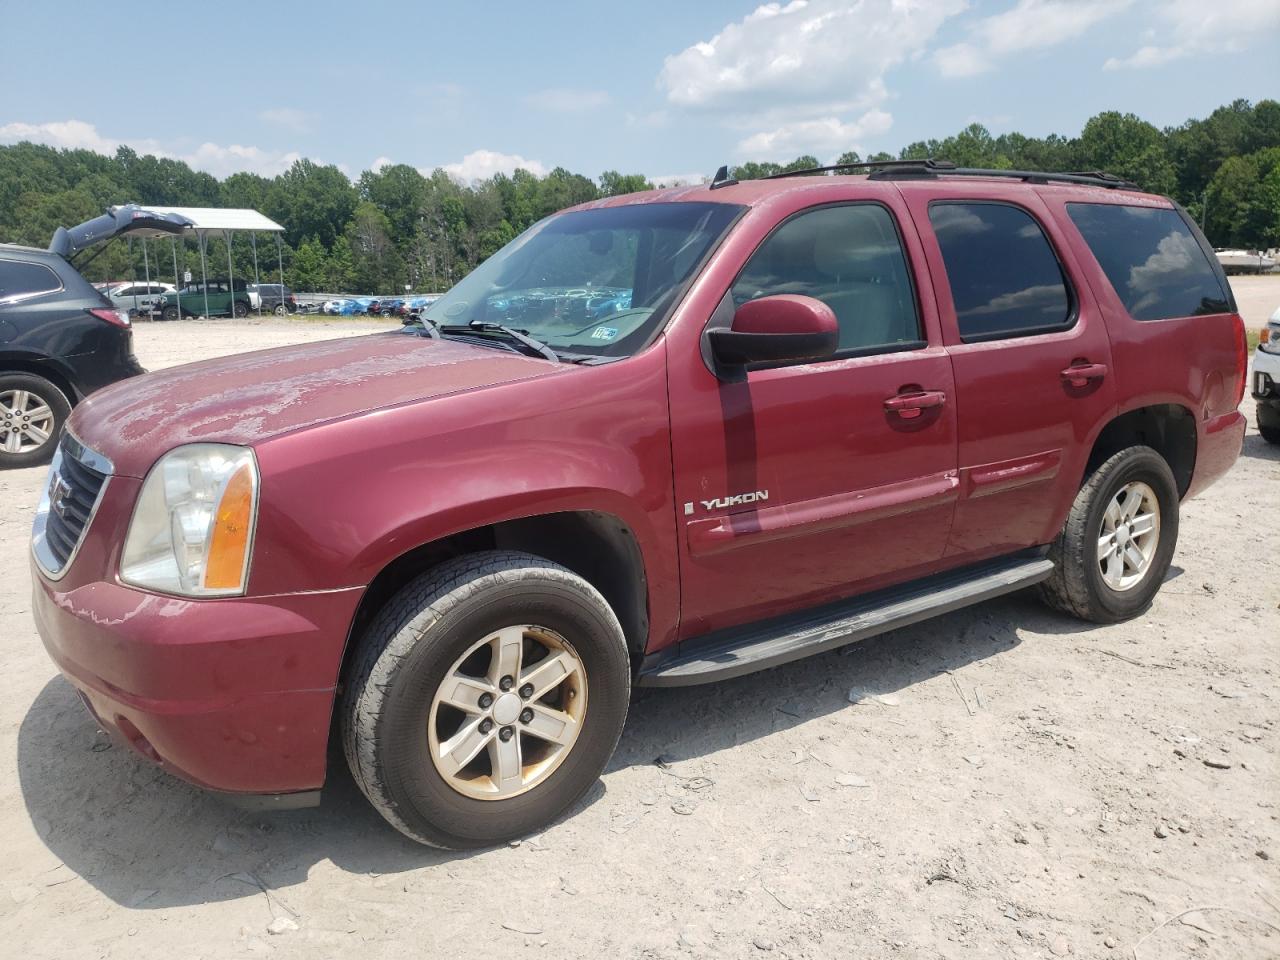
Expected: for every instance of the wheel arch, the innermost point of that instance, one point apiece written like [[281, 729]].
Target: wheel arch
[[597, 546], [39, 366], [1168, 428]]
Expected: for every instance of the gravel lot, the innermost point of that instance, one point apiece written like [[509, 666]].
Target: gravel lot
[[1011, 784]]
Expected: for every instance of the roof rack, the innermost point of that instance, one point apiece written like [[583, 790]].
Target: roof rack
[[930, 168]]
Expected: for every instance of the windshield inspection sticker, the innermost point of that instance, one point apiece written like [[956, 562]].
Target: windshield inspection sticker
[[604, 333]]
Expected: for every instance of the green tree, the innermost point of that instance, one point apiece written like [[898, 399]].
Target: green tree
[[614, 184], [1124, 145], [311, 200]]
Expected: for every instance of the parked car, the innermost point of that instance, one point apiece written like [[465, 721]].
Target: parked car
[[224, 299], [1266, 379], [275, 297], [137, 298], [59, 341], [832, 406]]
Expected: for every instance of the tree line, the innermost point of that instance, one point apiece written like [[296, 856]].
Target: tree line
[[395, 226]]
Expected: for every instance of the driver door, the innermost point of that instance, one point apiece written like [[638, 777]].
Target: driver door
[[802, 484]]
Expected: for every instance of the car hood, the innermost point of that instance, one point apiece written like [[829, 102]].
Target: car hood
[[250, 397]]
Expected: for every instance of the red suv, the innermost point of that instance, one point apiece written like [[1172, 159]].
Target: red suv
[[657, 439]]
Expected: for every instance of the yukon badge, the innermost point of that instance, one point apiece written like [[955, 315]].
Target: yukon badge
[[720, 503]]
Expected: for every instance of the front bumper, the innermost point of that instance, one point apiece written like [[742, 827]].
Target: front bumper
[[234, 695]]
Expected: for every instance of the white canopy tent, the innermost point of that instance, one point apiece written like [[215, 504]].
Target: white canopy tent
[[202, 221]]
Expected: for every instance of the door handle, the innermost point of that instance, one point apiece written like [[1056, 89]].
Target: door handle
[[910, 405], [1080, 374]]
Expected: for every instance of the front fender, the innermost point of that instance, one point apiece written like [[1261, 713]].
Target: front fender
[[341, 501]]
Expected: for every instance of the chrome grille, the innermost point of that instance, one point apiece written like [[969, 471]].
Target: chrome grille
[[77, 478]]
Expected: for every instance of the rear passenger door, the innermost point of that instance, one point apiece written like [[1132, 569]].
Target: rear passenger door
[[1031, 357]]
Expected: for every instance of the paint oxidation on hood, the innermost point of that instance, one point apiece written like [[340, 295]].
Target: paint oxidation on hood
[[247, 398]]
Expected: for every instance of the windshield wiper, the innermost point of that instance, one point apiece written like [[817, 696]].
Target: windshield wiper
[[518, 336], [430, 326]]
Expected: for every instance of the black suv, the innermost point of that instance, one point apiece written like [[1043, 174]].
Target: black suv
[[276, 298], [60, 339]]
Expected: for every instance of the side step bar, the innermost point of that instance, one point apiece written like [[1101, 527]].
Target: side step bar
[[741, 650]]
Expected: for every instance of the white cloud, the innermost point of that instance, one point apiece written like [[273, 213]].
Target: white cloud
[[1199, 27], [1033, 24], [298, 121], [961, 60], [1028, 25], [679, 179], [64, 134], [826, 137], [567, 100], [815, 56], [481, 164], [379, 163], [219, 160]]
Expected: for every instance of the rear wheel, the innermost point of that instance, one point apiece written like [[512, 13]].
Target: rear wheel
[[1118, 541], [280, 310], [171, 313], [240, 309], [484, 699], [32, 413]]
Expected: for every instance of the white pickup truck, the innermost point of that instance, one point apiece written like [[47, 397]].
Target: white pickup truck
[[1266, 379]]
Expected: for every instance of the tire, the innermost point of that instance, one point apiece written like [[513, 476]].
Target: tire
[[48, 409], [239, 309], [392, 714], [1269, 421], [1077, 585], [171, 313], [280, 310]]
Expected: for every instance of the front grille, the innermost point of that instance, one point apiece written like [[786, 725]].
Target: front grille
[[76, 481]]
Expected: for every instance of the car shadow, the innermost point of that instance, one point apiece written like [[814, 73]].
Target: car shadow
[[1255, 446], [149, 841]]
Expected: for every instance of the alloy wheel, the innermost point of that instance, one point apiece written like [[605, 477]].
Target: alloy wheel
[[1129, 536], [507, 713], [26, 419]]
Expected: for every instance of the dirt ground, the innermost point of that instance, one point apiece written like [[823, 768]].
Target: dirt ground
[[1010, 784]]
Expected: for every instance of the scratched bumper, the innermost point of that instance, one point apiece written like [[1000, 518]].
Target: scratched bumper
[[232, 695]]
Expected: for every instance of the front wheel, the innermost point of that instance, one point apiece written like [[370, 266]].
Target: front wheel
[[171, 313], [1269, 421], [1118, 541], [485, 698]]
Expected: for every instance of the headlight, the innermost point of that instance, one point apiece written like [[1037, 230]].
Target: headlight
[[1269, 338], [192, 528]]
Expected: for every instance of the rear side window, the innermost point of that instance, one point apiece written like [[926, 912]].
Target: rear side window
[[850, 258], [1005, 278], [19, 279], [1156, 266]]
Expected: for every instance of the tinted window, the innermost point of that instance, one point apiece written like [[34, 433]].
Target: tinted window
[[849, 257], [1155, 265], [1005, 279], [19, 279]]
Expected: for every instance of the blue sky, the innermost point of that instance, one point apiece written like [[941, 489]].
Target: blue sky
[[664, 88]]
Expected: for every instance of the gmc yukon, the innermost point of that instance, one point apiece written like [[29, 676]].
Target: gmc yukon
[[657, 439]]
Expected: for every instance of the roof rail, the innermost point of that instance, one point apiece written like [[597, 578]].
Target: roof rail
[[930, 168]]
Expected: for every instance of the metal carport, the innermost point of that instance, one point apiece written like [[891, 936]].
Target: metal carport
[[146, 220]]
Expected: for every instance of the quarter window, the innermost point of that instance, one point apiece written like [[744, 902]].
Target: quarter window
[[1005, 278], [1156, 266], [851, 259], [20, 279]]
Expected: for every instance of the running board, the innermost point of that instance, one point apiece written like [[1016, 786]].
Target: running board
[[741, 650]]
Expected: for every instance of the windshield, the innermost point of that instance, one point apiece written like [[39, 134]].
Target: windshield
[[594, 282]]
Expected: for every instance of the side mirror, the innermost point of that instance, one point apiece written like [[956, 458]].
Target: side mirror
[[777, 329]]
